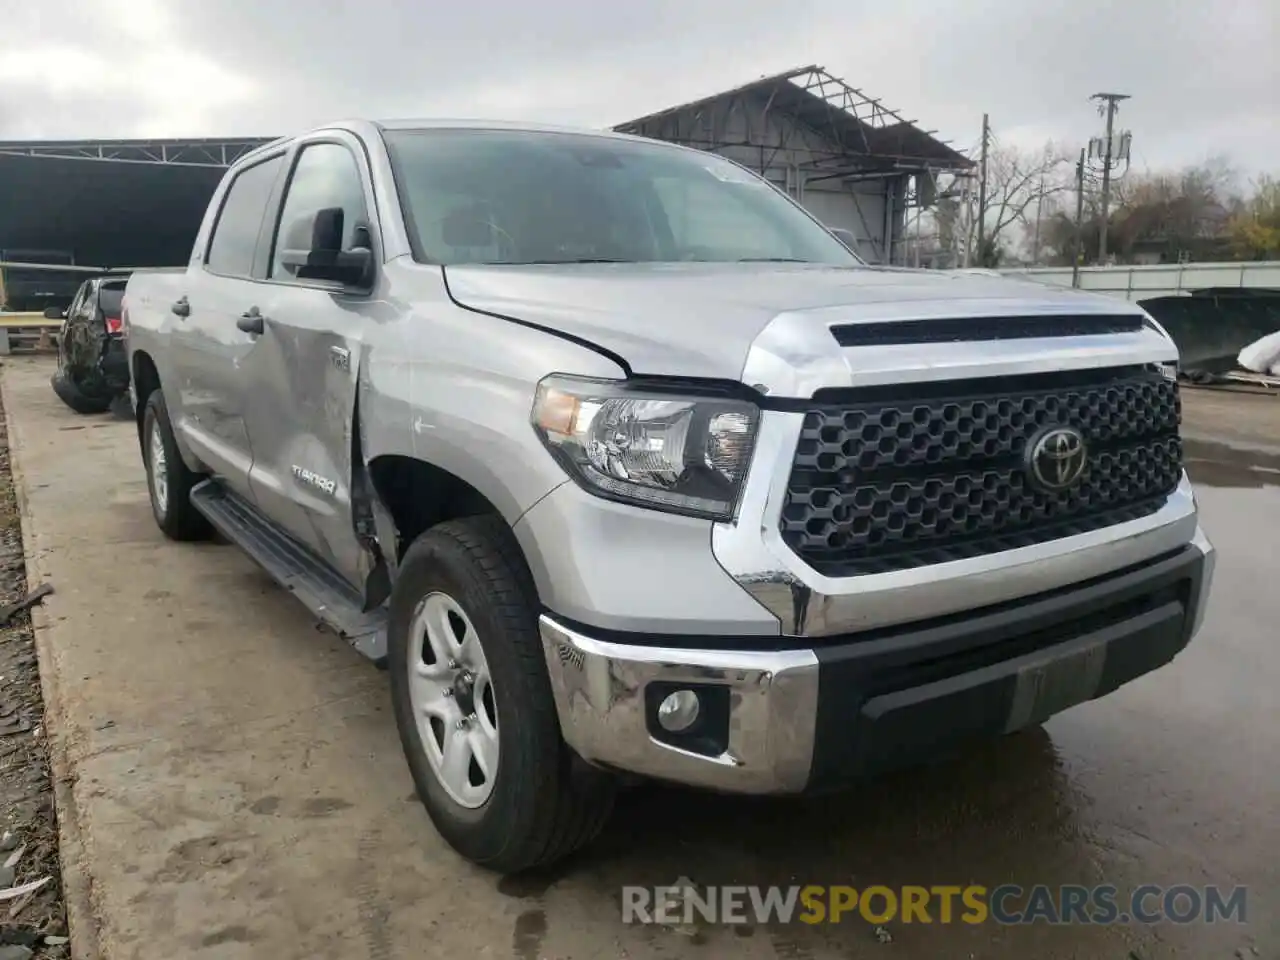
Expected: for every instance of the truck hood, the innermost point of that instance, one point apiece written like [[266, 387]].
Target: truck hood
[[700, 320]]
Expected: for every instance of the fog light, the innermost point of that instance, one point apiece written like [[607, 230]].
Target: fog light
[[679, 711]]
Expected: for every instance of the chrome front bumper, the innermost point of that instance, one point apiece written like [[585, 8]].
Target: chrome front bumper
[[805, 718], [599, 691]]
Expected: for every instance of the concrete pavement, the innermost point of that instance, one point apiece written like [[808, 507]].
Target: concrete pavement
[[237, 788]]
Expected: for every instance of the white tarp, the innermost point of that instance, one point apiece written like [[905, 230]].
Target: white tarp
[[1262, 356]]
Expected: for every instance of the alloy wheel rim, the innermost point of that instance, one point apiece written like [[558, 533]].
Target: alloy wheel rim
[[159, 476], [451, 693]]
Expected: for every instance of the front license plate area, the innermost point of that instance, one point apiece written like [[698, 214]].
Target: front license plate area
[[1049, 687]]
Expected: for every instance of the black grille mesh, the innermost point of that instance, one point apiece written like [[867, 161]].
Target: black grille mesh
[[892, 483]]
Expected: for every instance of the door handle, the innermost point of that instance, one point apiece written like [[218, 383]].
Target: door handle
[[251, 321], [181, 308]]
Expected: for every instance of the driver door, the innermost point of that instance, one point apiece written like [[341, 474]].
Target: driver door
[[301, 414]]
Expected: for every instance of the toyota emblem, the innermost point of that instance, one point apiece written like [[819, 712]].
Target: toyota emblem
[[1056, 459]]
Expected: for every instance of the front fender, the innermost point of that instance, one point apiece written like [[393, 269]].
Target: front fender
[[464, 407]]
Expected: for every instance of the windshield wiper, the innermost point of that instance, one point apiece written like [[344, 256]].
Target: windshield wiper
[[773, 260], [579, 260]]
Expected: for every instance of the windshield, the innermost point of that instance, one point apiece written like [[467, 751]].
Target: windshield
[[515, 196]]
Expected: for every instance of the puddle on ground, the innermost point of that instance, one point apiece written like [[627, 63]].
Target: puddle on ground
[[1222, 465]]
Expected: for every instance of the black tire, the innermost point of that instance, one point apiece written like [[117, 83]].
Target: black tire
[[176, 516], [545, 801], [76, 397]]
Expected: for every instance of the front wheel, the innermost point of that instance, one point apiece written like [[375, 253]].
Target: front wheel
[[474, 706], [168, 478]]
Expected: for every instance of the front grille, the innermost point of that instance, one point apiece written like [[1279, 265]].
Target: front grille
[[884, 480]]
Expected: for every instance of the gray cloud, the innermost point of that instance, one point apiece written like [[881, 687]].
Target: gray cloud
[[1203, 76]]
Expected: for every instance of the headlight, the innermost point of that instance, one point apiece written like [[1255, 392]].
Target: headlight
[[678, 453]]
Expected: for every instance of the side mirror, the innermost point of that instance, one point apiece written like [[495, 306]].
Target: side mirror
[[55, 313], [846, 237], [326, 260]]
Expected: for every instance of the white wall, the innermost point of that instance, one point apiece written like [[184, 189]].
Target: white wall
[[1163, 280], [858, 208]]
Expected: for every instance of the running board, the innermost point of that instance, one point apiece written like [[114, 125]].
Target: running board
[[295, 567]]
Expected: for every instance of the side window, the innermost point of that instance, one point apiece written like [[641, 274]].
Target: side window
[[235, 235], [77, 302], [88, 296], [326, 175]]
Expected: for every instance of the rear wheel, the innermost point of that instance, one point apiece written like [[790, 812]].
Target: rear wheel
[[168, 479], [80, 397], [474, 707]]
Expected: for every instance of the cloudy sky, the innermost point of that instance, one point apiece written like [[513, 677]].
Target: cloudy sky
[[1203, 74]]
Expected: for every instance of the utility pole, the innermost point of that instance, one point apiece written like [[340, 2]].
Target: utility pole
[[1079, 253], [982, 189], [1107, 104]]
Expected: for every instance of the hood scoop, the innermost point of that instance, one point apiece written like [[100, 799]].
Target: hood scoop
[[971, 329]]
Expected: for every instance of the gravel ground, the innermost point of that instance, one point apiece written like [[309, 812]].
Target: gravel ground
[[33, 924]]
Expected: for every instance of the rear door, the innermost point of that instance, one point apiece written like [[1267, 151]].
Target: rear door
[[301, 419], [211, 351], [72, 349]]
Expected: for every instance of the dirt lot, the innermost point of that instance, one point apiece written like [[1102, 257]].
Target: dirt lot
[[234, 785]]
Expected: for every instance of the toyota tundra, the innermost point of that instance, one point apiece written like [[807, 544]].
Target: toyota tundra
[[624, 465]]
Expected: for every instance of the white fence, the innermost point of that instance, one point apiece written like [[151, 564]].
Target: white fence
[[1162, 280]]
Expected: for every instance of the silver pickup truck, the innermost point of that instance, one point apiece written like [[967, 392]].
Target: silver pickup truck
[[623, 465]]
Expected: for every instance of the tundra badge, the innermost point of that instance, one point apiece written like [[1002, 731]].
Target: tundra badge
[[323, 484]]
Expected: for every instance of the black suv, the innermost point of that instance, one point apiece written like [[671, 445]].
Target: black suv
[[93, 370]]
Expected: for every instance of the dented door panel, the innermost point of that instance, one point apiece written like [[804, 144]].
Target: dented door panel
[[302, 417]]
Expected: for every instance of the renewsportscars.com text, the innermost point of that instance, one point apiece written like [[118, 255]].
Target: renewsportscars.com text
[[969, 904]]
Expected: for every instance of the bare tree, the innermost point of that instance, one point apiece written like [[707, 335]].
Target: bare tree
[[1169, 214], [1019, 185], [1177, 213]]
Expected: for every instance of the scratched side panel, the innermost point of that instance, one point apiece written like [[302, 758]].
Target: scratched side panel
[[149, 331]]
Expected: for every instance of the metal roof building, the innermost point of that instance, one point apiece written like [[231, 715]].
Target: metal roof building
[[111, 202], [849, 159]]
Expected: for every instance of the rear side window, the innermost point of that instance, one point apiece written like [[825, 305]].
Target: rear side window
[[78, 301], [235, 235], [110, 296]]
